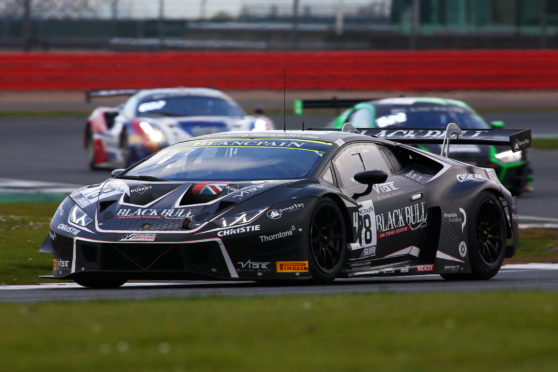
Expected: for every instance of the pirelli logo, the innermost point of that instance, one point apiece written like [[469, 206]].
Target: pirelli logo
[[54, 264], [292, 266]]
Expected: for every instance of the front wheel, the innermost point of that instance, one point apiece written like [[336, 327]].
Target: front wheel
[[327, 245]]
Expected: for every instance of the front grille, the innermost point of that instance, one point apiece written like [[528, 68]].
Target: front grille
[[204, 257]]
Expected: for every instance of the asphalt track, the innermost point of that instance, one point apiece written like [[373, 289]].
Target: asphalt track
[[543, 277]]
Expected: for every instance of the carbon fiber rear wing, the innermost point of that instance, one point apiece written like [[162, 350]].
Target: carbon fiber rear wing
[[108, 93], [334, 103], [516, 139]]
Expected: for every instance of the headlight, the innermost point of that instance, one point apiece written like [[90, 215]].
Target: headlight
[[240, 218], [509, 156], [154, 135], [79, 217]]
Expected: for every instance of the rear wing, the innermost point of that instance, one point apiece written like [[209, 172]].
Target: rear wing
[[334, 103], [517, 139], [108, 93]]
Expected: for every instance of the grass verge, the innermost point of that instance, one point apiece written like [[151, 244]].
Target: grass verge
[[544, 143], [24, 226], [494, 331]]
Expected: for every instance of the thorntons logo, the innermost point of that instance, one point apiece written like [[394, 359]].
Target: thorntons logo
[[279, 235]]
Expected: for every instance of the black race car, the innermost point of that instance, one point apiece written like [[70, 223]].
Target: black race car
[[293, 205]]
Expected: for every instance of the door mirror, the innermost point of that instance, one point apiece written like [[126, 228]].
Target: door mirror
[[117, 172], [370, 178], [497, 124]]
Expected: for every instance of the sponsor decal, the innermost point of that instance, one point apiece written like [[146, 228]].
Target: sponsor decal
[[279, 235], [422, 133], [460, 218], [139, 237], [462, 249], [404, 269], [60, 264], [368, 252], [208, 188], [470, 177], [520, 143], [275, 214], [400, 220], [239, 230], [250, 190], [464, 221], [52, 235], [415, 176], [425, 268], [252, 266], [264, 143], [292, 266], [452, 268], [363, 221], [171, 213], [140, 189], [68, 229], [382, 188]]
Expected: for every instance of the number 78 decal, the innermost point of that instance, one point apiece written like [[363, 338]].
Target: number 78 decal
[[364, 220]]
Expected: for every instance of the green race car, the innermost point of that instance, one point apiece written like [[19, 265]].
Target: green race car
[[513, 169]]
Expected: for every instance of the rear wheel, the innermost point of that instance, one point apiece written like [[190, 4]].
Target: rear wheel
[[100, 283], [327, 242], [487, 239]]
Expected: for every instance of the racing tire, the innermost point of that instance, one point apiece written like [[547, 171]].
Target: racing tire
[[487, 239], [89, 282], [125, 149], [90, 148], [327, 242]]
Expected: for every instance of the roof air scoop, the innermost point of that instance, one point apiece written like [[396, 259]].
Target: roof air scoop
[[349, 128], [451, 130]]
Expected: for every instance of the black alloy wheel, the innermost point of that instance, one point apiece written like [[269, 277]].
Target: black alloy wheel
[[487, 239], [327, 242]]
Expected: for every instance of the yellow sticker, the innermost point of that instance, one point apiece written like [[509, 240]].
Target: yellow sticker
[[54, 264], [292, 266]]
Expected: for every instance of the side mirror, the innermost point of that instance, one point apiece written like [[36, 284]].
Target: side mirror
[[117, 172], [497, 124], [259, 111], [370, 178]]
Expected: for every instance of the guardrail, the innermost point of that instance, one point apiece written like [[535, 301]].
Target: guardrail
[[340, 70]]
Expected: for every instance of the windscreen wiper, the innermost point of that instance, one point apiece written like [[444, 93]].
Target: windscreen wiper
[[142, 177]]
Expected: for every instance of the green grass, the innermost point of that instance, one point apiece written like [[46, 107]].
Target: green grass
[[544, 143], [24, 226], [494, 331]]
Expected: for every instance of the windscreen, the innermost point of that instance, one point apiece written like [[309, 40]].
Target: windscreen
[[233, 160], [426, 116], [187, 106]]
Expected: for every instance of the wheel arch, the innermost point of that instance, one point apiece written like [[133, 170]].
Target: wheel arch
[[349, 234]]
